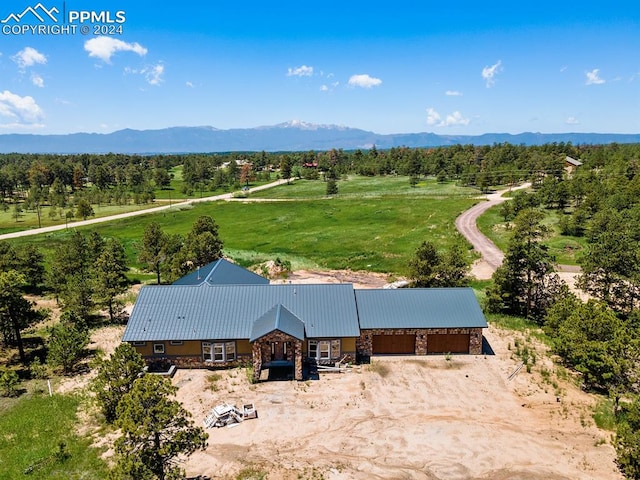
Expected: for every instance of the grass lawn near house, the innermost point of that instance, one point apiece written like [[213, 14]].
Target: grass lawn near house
[[32, 429]]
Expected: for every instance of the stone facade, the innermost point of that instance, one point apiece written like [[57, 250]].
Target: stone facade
[[262, 352], [196, 361], [364, 344]]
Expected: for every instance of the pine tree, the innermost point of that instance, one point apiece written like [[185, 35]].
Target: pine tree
[[156, 431]]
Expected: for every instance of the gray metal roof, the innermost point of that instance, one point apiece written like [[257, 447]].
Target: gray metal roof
[[278, 318], [419, 308], [205, 312], [573, 161], [222, 272]]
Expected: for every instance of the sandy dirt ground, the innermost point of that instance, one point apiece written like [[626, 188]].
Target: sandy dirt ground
[[402, 417]]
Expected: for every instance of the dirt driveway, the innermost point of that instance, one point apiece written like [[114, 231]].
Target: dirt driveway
[[404, 417]]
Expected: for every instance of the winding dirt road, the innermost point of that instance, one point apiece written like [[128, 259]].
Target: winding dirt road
[[466, 225]]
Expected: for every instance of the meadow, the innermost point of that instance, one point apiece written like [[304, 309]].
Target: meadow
[[372, 224], [566, 250]]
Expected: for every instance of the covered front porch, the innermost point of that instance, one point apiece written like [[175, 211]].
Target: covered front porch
[[277, 339]]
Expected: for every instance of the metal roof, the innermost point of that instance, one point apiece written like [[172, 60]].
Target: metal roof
[[222, 272], [205, 312], [278, 318], [419, 308], [573, 161]]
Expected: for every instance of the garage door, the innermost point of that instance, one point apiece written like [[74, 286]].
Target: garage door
[[448, 343], [394, 344]]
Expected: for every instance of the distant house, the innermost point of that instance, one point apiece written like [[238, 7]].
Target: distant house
[[201, 322], [571, 164]]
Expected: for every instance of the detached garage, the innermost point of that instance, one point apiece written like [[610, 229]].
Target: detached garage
[[419, 321]]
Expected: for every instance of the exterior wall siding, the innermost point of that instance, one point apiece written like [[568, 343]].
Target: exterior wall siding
[[364, 343]]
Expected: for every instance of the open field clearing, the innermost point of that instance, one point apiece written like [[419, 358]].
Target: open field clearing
[[377, 234]]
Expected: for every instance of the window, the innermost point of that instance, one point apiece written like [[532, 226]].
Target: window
[[176, 342], [139, 344], [219, 351], [158, 348], [324, 349]]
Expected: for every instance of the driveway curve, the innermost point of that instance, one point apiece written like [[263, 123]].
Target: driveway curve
[[93, 221], [466, 224]]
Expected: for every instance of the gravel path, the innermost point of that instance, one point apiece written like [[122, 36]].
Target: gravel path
[[82, 223], [466, 225]]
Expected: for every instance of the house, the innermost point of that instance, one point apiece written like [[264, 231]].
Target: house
[[571, 164], [201, 322]]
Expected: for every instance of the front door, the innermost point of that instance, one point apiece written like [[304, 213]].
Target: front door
[[279, 350]]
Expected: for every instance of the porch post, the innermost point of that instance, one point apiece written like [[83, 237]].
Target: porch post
[[298, 360], [256, 351]]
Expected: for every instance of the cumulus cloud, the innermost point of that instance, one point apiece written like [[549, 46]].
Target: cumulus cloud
[[152, 74], [364, 81], [593, 77], [453, 93], [37, 80], [19, 110], [28, 57], [489, 73], [301, 71], [105, 47], [572, 121], [434, 119], [324, 88]]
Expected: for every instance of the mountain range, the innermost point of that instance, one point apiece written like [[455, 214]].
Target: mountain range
[[290, 136]]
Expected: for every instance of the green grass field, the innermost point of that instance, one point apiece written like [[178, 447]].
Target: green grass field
[[373, 228], [566, 250], [367, 187], [29, 219], [31, 431]]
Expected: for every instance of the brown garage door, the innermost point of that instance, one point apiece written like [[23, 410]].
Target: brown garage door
[[448, 343], [394, 344]]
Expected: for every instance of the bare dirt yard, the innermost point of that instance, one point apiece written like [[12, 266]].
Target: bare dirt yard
[[400, 417], [404, 417]]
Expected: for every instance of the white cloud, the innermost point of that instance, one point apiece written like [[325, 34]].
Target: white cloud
[[572, 121], [153, 74], [453, 93], [593, 77], [364, 81], [301, 71], [329, 88], [20, 110], [489, 73], [105, 47], [37, 80], [28, 57], [434, 119], [189, 84]]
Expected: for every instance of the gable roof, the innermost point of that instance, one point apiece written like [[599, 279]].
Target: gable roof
[[206, 312], [278, 318], [419, 308], [222, 272]]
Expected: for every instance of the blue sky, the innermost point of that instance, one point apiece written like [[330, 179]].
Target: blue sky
[[449, 68]]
